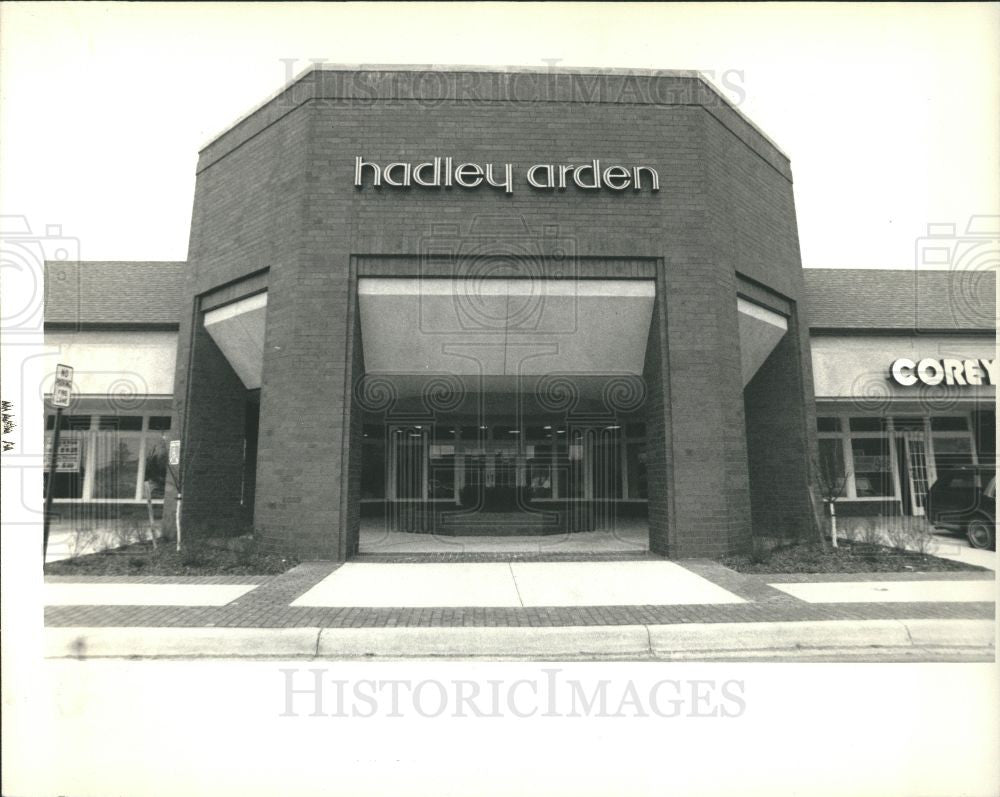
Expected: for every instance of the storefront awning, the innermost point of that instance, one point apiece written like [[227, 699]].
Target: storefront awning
[[760, 331], [504, 327], [238, 330]]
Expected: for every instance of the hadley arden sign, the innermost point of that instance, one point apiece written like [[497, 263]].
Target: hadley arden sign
[[445, 173]]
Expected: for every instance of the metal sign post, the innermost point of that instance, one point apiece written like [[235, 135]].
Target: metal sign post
[[62, 389], [174, 460]]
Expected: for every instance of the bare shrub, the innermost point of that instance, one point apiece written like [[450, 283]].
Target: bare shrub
[[761, 550], [84, 539], [923, 540], [870, 533], [899, 533], [125, 531]]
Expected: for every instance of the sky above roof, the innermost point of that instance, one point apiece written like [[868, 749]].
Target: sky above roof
[[890, 114]]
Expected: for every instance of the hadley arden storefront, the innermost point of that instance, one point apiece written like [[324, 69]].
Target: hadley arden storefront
[[494, 302]]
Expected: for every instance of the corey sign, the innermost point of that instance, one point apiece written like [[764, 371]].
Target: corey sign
[[948, 371]]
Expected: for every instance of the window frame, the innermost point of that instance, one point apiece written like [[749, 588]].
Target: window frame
[[91, 434], [889, 430]]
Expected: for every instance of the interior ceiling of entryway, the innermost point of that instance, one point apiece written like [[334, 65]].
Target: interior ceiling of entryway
[[760, 331], [238, 330], [504, 327], [495, 334]]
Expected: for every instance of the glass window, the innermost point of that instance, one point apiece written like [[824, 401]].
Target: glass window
[[122, 423], [70, 465], [636, 454], [635, 429], [116, 466], [540, 472], [409, 464], [952, 451], [159, 423], [373, 470], [572, 477], [445, 434], [606, 465], [872, 467], [156, 466], [962, 481], [442, 473], [472, 434], [68, 422], [949, 424], [867, 424], [827, 424], [832, 473], [373, 431]]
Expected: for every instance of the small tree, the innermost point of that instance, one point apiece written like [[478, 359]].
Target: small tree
[[831, 475]]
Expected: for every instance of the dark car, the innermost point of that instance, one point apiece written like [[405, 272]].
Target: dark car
[[964, 499]]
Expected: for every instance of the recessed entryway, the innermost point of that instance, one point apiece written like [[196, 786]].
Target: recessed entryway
[[629, 536]]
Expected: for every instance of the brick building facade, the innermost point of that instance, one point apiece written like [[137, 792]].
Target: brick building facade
[[277, 210]]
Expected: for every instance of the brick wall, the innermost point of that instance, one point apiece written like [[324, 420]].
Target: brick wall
[[277, 192]]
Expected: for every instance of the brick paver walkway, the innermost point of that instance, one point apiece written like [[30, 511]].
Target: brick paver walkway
[[267, 606]]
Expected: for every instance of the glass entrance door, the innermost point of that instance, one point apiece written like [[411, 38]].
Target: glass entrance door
[[915, 452], [408, 464]]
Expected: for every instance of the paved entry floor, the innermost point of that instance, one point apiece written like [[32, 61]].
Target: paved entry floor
[[628, 536], [514, 584]]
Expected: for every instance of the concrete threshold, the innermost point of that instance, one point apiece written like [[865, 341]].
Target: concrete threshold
[[734, 641]]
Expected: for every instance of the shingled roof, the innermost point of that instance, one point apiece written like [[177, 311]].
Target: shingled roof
[[149, 293], [133, 293], [904, 300]]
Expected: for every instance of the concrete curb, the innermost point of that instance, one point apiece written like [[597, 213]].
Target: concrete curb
[[628, 642], [599, 641], [174, 642]]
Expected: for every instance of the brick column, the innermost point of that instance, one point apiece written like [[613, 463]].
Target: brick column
[[658, 455], [706, 463], [780, 416], [212, 448], [307, 504]]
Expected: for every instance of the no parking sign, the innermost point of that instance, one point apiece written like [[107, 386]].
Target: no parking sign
[[62, 389]]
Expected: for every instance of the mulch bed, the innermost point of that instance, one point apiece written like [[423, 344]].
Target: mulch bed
[[140, 559], [850, 557]]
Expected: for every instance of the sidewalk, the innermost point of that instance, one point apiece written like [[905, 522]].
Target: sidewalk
[[633, 607]]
